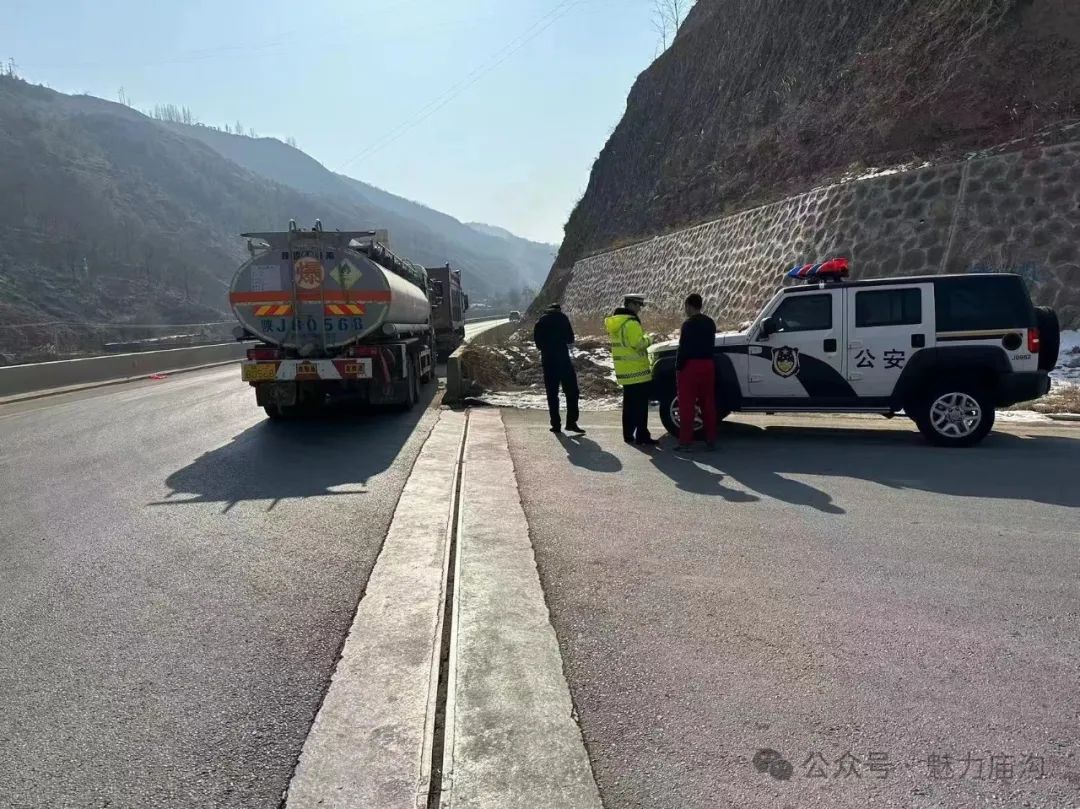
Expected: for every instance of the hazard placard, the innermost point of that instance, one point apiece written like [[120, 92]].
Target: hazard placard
[[344, 275]]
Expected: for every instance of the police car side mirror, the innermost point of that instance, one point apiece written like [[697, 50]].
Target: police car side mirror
[[769, 325]]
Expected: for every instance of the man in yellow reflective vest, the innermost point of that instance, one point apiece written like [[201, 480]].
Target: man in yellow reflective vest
[[630, 350]]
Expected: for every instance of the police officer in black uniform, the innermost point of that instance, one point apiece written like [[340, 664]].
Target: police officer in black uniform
[[554, 335]]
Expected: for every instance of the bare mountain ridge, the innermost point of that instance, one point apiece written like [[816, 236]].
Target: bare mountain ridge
[[760, 99], [416, 230]]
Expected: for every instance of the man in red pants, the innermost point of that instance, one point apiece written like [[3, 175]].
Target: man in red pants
[[696, 373]]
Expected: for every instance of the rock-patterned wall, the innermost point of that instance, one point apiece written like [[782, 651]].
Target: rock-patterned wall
[[1017, 212]]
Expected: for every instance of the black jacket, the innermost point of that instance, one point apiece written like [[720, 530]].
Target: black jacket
[[553, 335], [697, 340]]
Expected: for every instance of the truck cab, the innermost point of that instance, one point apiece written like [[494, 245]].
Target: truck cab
[[448, 306], [944, 350]]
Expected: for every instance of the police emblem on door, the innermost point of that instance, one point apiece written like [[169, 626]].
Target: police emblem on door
[[785, 361]]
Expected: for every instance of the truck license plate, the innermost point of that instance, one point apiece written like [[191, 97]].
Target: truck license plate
[[260, 372], [358, 369]]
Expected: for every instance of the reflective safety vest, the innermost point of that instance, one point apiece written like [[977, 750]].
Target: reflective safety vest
[[629, 349]]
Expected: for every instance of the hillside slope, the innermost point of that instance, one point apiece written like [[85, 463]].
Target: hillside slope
[[113, 218], [757, 99], [110, 218]]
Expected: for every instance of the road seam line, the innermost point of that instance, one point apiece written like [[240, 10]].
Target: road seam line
[[512, 738], [368, 742], [435, 782]]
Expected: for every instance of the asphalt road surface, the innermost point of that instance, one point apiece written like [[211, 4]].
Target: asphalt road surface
[[474, 329], [834, 594], [824, 596], [177, 575]]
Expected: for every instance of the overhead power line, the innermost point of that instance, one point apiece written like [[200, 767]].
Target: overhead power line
[[512, 47]]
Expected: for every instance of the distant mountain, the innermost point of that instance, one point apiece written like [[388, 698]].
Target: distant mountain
[[503, 233], [489, 260], [111, 217], [525, 251]]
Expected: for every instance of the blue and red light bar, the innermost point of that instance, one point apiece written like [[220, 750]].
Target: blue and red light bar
[[831, 270]]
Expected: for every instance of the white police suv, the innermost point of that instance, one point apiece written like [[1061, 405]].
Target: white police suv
[[944, 349]]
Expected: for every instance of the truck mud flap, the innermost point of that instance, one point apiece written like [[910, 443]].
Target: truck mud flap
[[393, 393], [282, 394]]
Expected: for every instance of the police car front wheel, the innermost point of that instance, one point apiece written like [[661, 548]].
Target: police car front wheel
[[669, 414], [952, 416]]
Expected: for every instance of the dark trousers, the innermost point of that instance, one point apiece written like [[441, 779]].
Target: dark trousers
[[635, 412], [697, 386], [559, 372]]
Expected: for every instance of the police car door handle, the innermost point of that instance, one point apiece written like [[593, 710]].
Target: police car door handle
[[855, 344]]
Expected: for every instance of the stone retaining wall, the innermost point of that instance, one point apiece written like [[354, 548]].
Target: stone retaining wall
[[1016, 212]]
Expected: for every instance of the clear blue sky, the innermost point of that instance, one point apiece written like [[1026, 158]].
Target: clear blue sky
[[511, 145]]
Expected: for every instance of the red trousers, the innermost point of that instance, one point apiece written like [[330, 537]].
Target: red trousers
[[697, 385]]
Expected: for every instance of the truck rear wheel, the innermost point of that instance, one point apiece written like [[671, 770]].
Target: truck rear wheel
[[282, 412], [955, 415], [412, 385]]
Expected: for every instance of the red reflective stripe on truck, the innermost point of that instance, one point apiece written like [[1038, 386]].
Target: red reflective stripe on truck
[[273, 310], [371, 296]]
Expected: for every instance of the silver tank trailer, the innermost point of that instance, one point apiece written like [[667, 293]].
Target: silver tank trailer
[[315, 290]]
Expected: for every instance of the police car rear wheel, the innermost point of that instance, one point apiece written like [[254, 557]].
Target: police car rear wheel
[[952, 416]]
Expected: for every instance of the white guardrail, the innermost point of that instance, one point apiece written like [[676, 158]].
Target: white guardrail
[[44, 377]]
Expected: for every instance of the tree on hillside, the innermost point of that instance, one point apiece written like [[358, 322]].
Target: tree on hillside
[[290, 141], [668, 15], [525, 297], [173, 114]]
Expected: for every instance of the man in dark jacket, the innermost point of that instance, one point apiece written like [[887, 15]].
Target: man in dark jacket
[[554, 335], [695, 368]]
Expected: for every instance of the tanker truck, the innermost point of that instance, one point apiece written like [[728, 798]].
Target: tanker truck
[[336, 315]]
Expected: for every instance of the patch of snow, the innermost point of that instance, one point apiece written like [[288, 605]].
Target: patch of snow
[[872, 173], [600, 357], [597, 356], [537, 400], [1068, 367], [1023, 416]]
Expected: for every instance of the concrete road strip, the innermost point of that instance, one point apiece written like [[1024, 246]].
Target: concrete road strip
[[371, 741], [511, 736]]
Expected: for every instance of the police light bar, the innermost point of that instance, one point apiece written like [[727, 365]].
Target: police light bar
[[832, 270]]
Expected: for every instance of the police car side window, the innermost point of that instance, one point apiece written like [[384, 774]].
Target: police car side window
[[805, 313], [891, 307], [981, 302]]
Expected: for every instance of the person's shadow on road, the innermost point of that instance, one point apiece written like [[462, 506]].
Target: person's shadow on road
[[700, 473], [691, 476], [587, 454]]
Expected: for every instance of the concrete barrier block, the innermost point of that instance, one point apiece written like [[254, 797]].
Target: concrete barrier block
[[45, 376]]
